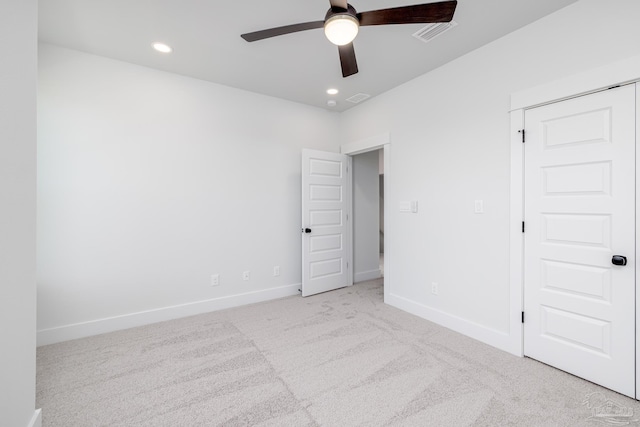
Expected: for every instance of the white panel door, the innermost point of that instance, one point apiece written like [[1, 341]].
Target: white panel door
[[326, 229], [579, 213]]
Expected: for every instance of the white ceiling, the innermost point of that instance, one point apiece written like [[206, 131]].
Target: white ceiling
[[205, 36]]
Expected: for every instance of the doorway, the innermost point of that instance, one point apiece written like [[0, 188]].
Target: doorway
[[368, 239], [327, 223], [380, 142]]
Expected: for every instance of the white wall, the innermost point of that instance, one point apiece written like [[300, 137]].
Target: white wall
[[450, 133], [150, 182], [18, 24], [366, 217]]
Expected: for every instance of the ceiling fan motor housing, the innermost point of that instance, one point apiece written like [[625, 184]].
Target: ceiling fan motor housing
[[333, 11]]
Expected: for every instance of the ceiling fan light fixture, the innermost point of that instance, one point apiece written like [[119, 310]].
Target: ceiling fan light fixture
[[341, 29]]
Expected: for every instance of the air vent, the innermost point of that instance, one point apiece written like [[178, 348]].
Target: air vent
[[432, 31], [359, 97]]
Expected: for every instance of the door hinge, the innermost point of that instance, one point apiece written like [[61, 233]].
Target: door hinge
[[522, 132], [523, 317], [523, 226]]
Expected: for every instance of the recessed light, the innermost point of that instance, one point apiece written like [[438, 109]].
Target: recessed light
[[332, 91], [161, 47], [331, 103]]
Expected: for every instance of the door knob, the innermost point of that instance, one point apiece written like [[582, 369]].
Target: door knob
[[307, 230], [619, 260]]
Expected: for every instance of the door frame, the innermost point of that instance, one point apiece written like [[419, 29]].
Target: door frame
[[591, 81], [381, 141]]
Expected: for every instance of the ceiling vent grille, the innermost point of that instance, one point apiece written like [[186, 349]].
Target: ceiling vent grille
[[359, 97], [432, 31]]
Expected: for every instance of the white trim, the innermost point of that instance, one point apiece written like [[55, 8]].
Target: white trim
[[637, 254], [370, 144], [363, 276], [493, 337], [36, 420], [516, 237], [116, 323], [367, 144], [621, 72], [388, 236], [350, 245]]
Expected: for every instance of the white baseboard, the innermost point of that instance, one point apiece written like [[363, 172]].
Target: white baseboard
[[493, 337], [116, 323], [36, 420], [367, 275]]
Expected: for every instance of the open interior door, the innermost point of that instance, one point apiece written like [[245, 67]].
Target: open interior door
[[326, 226]]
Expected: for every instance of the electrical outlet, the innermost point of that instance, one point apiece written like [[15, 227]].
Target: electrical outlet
[[434, 288], [276, 270], [246, 275], [215, 279]]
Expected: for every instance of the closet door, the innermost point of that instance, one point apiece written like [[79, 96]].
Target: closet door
[[579, 264]]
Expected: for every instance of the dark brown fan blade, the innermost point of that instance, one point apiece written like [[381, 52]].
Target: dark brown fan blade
[[279, 31], [342, 4], [416, 14], [348, 60]]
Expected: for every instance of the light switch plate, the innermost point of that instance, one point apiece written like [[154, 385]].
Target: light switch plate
[[479, 206]]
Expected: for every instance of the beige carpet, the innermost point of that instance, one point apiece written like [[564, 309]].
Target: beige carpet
[[341, 358]]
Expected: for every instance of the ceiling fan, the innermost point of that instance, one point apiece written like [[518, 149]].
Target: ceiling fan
[[341, 25]]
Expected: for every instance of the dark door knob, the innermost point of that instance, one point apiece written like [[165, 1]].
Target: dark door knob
[[619, 260], [307, 230]]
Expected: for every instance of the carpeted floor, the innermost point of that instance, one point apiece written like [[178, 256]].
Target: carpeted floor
[[341, 358]]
